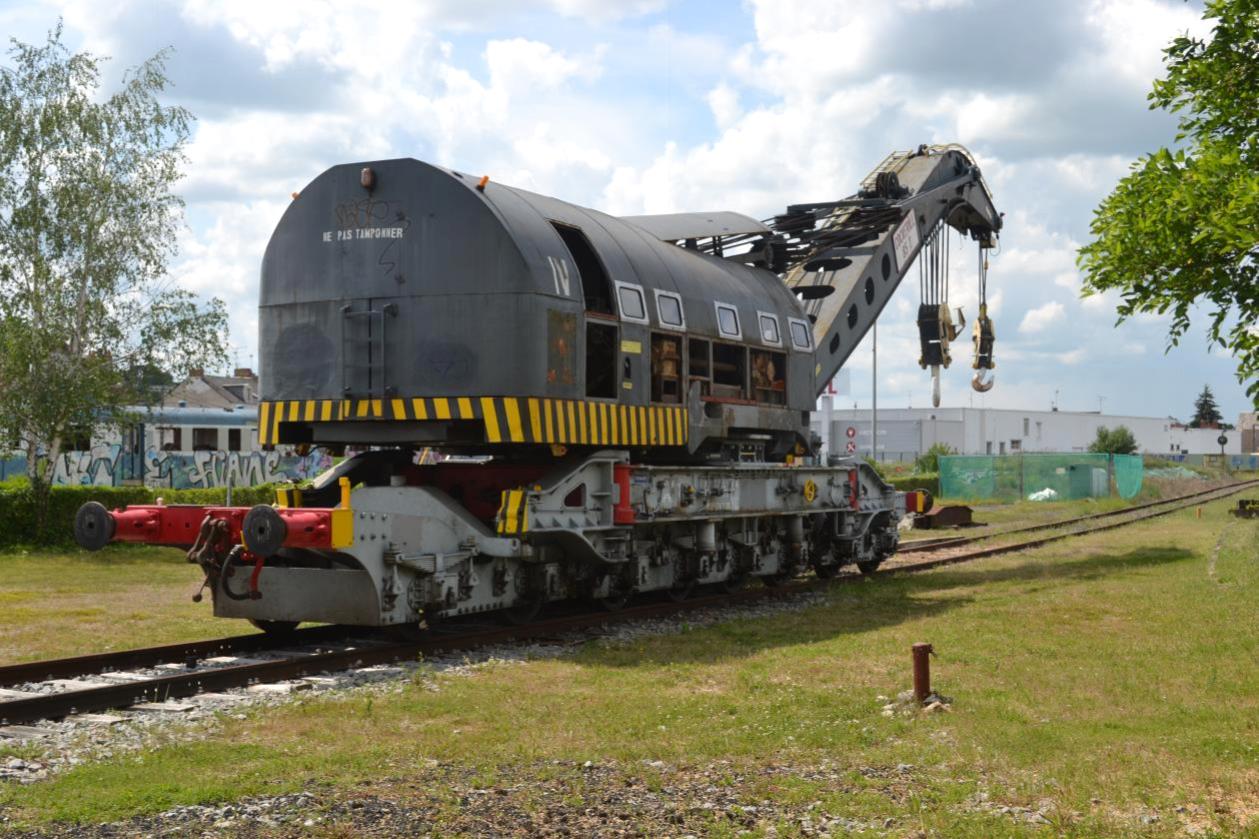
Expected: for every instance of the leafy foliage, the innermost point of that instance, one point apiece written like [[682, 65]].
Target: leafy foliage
[[1182, 229], [1117, 441], [1206, 414], [929, 461], [19, 522], [87, 228]]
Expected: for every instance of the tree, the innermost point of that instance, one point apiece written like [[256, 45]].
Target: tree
[[1205, 412], [88, 224], [1182, 228], [1118, 441]]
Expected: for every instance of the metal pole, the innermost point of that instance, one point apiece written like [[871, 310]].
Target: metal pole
[[874, 394], [922, 671]]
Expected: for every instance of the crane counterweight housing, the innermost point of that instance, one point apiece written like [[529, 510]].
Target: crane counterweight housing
[[550, 402]]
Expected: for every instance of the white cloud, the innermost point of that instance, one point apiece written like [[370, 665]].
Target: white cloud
[[1042, 317]]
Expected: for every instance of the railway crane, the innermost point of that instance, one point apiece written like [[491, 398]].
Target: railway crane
[[617, 404]]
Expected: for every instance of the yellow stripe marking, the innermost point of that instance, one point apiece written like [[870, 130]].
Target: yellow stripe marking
[[378, 410], [616, 431], [603, 424], [399, 408], [514, 427], [642, 424], [465, 408], [417, 405], [632, 436], [346, 405], [652, 414], [550, 428], [294, 409], [325, 410], [581, 423], [513, 509], [561, 428], [572, 426], [535, 420], [491, 420], [362, 408], [309, 411], [594, 422], [276, 416], [442, 408], [264, 414]]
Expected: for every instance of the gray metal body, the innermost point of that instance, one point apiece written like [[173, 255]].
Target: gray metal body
[[383, 306], [419, 554]]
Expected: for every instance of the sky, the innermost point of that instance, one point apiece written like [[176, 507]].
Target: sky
[[652, 106]]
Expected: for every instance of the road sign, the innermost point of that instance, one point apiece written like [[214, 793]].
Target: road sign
[[1222, 440], [851, 432], [852, 446]]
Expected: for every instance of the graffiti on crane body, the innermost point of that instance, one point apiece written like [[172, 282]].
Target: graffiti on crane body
[[109, 465]]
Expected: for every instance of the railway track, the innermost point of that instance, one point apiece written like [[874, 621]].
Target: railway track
[[86, 684], [920, 545]]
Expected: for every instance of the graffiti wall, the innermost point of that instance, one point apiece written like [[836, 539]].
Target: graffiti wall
[[109, 465]]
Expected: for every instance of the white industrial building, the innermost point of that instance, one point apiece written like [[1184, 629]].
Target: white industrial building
[[904, 433]]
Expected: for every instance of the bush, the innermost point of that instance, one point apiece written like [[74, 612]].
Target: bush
[[904, 483], [17, 507], [929, 461]]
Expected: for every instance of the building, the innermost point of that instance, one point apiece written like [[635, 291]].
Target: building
[[904, 433], [1248, 432], [201, 413]]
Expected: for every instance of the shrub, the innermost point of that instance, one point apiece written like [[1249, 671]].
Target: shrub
[[17, 507], [929, 461]]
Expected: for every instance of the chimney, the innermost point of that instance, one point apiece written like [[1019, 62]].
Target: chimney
[[244, 373]]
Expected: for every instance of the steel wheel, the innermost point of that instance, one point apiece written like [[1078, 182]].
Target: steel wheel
[[275, 627], [679, 593]]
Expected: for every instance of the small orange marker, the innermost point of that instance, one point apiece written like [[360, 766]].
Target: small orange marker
[[295, 194], [485, 179]]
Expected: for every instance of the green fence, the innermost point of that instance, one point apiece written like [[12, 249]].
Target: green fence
[[1052, 477]]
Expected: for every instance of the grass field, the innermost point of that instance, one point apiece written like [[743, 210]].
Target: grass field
[[57, 603], [1109, 684]]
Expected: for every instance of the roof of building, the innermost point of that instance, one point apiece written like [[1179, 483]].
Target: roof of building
[[203, 391]]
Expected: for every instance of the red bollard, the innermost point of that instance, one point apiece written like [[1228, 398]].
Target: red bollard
[[922, 672]]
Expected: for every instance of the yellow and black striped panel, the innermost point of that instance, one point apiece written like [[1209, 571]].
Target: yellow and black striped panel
[[507, 419], [513, 513]]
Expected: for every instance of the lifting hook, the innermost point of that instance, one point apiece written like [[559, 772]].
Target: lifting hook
[[980, 386]]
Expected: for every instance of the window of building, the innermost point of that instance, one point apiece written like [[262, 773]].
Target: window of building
[[769, 329], [1038, 429], [172, 439], [768, 382], [631, 300], [666, 369], [1016, 445], [730, 368], [595, 286], [1002, 446], [988, 447], [205, 439], [799, 334], [669, 309], [601, 359], [1026, 426], [233, 439], [728, 321], [699, 357]]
